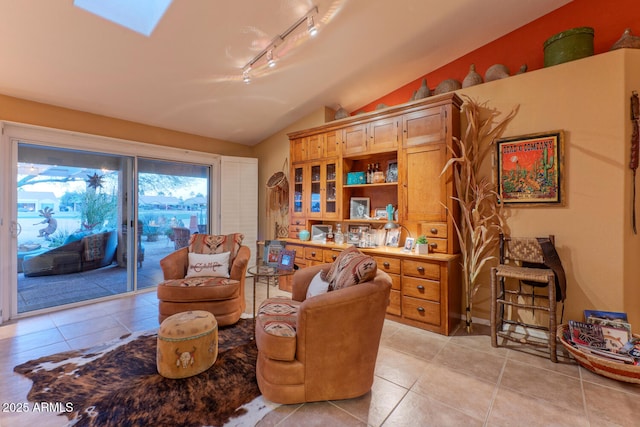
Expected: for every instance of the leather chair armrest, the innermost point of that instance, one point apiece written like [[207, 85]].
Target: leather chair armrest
[[174, 265], [302, 279], [240, 264]]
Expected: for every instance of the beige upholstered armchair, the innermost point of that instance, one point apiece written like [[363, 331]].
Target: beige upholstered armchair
[[322, 347], [209, 275]]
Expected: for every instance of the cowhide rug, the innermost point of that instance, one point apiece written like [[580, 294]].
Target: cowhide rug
[[118, 384]]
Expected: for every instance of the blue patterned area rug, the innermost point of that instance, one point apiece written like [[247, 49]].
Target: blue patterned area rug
[[117, 384]]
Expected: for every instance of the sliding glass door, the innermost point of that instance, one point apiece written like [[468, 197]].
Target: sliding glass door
[[72, 214], [173, 203], [81, 236]]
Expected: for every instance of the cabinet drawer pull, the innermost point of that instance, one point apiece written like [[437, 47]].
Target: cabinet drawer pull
[[420, 269], [297, 222], [433, 245], [333, 257], [313, 254], [385, 264], [434, 231], [420, 288], [420, 309]]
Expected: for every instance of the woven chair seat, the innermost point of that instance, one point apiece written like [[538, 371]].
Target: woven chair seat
[[524, 273]]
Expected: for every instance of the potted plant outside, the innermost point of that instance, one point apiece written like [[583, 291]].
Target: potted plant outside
[[422, 245]]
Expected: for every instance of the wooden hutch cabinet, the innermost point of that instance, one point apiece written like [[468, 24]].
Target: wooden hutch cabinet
[[417, 138]]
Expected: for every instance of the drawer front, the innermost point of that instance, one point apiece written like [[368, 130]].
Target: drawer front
[[434, 229], [422, 269], [295, 229], [329, 255], [438, 245], [421, 288], [421, 310], [396, 282], [394, 303], [314, 254], [388, 265], [299, 251]]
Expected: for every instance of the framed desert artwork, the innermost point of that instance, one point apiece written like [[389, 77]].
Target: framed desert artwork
[[529, 169]]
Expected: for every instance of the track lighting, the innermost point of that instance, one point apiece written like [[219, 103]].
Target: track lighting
[[268, 52], [311, 26], [270, 61]]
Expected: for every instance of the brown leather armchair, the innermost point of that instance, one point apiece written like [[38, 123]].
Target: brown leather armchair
[[332, 352], [222, 296]]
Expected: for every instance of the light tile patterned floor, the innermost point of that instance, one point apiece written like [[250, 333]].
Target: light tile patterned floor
[[422, 379]]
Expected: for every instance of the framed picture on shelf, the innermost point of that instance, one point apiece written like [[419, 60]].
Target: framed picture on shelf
[[529, 169], [392, 171], [393, 237], [286, 259], [355, 232], [408, 244], [379, 213], [319, 232], [272, 249], [359, 208]]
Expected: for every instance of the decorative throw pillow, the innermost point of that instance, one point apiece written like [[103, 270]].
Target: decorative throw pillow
[[317, 286], [216, 244], [350, 268], [94, 247], [210, 265]]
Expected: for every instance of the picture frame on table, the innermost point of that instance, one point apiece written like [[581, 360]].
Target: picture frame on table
[[393, 237], [272, 249], [408, 244], [530, 169], [286, 259], [359, 208]]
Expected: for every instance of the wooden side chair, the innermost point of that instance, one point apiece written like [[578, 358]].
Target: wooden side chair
[[533, 263]]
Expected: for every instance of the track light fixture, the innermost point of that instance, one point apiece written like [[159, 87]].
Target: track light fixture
[[270, 61], [311, 26], [268, 52]]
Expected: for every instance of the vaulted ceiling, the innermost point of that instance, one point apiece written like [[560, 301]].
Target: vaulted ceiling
[[187, 75]]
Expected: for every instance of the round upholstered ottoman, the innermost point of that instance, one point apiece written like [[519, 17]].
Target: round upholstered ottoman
[[187, 344]]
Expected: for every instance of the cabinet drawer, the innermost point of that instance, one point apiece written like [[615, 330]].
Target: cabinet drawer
[[434, 229], [394, 306], [329, 255], [299, 251], [294, 229], [314, 254], [438, 245], [388, 265], [421, 288], [396, 281], [422, 269], [421, 310]]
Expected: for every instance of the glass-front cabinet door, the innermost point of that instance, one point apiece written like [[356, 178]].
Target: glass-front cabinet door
[[323, 198], [315, 193], [331, 196], [299, 195]]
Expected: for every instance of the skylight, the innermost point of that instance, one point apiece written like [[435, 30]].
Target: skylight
[[141, 16]]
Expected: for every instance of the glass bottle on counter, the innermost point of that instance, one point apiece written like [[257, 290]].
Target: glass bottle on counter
[[330, 236], [338, 236]]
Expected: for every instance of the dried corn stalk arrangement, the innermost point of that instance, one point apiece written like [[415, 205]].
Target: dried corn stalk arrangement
[[481, 214]]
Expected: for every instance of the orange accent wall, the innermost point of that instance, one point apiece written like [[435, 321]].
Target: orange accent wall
[[525, 45]]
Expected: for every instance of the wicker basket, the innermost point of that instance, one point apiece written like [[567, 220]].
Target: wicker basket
[[600, 365]]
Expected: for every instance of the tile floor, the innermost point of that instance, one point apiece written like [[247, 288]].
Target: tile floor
[[422, 379]]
